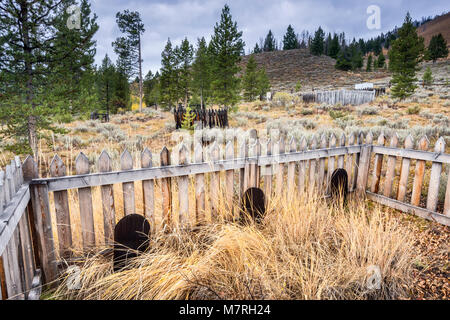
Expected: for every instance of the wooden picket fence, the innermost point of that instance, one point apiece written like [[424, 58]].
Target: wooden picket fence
[[386, 174]]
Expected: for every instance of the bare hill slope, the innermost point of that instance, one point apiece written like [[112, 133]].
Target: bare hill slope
[[439, 25], [285, 68]]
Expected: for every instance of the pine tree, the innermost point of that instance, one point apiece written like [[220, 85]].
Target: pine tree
[[151, 89], [317, 43], [263, 83], [201, 72], [437, 48], [344, 59], [32, 61], [250, 80], [129, 48], [270, 44], [169, 78], [334, 47], [185, 55], [369, 63], [226, 47], [356, 56], [404, 57], [290, 40], [427, 76], [257, 49], [381, 61]]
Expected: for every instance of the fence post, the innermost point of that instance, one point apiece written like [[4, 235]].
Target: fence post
[[312, 168], [363, 169], [390, 171], [229, 178], [148, 187], [349, 164], [435, 176], [214, 155], [166, 190], [378, 163], [323, 145], [302, 167], [183, 189], [291, 169], [280, 168], [404, 171], [331, 161], [126, 163], [199, 186], [58, 169], [340, 161], [42, 222], [419, 173], [109, 212], [85, 200], [268, 172]]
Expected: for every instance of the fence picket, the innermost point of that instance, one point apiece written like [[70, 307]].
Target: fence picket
[[243, 153], [349, 165], [183, 189], [108, 206], [321, 174], [390, 170], [331, 161], [126, 163], [148, 189], [166, 190], [85, 201], [214, 155], [302, 167], [229, 179], [447, 196], [199, 186], [268, 172], [404, 171], [378, 163], [312, 167], [58, 169], [280, 167], [419, 173], [435, 176], [291, 169], [359, 141], [340, 161]]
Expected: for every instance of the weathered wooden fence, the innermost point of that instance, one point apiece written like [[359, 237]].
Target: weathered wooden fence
[[19, 273], [184, 189], [206, 117], [344, 97]]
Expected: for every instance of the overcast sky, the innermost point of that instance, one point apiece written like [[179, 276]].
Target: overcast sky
[[176, 19]]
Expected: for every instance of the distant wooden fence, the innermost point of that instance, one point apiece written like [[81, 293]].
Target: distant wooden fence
[[207, 117], [344, 97], [378, 169]]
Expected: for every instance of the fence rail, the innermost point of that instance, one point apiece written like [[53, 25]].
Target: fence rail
[[38, 211]]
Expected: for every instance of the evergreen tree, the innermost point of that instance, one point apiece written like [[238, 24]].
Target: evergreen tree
[[356, 56], [33, 57], [201, 72], [263, 83], [290, 40], [427, 76], [257, 49], [188, 120], [404, 57], [437, 48], [250, 80], [151, 89], [317, 43], [270, 44], [328, 44], [344, 59], [169, 78], [381, 61], [129, 48], [226, 47], [369, 63], [334, 47], [185, 55]]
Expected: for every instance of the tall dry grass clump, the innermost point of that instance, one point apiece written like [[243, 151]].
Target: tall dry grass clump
[[305, 248]]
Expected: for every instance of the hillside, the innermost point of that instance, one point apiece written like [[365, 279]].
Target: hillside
[[439, 25], [285, 68]]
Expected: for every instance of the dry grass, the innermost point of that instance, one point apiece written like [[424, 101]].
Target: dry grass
[[304, 249]]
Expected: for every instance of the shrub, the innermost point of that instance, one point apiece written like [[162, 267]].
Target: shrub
[[368, 111], [306, 111], [337, 114], [413, 110], [283, 99]]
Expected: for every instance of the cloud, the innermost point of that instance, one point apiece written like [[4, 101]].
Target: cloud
[[177, 19]]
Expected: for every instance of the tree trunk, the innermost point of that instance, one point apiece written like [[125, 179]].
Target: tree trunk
[[140, 75]]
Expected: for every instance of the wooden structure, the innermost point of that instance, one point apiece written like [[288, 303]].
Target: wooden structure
[[36, 233], [207, 117], [103, 116], [344, 97]]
